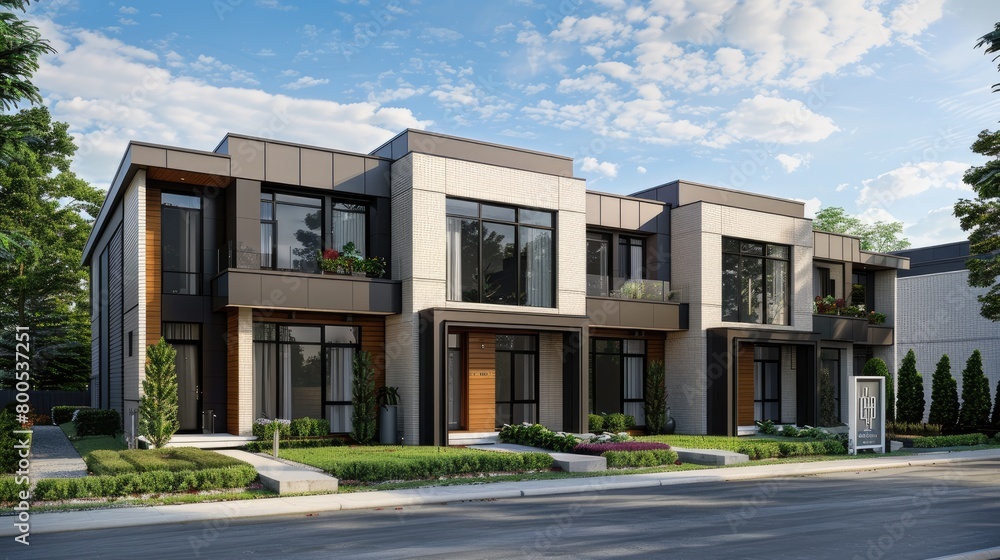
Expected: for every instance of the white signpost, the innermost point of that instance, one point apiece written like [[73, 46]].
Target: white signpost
[[866, 408]]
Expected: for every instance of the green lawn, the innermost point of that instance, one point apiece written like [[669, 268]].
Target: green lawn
[[86, 444], [384, 463]]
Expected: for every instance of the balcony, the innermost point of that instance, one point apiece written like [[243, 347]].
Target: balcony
[[880, 335], [245, 280], [841, 328], [634, 304]]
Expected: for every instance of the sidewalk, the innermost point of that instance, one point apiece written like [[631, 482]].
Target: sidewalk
[[53, 456], [301, 505]]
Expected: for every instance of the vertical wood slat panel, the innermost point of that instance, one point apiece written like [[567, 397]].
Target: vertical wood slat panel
[[744, 385], [232, 371], [481, 382], [153, 267]]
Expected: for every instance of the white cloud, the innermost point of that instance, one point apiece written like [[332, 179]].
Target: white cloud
[[274, 5], [397, 94], [127, 21], [111, 93], [938, 226], [776, 120], [912, 179], [874, 214], [305, 82], [841, 187], [605, 168], [792, 162], [535, 88], [128, 10], [265, 52], [812, 206], [441, 34], [912, 17], [641, 170]]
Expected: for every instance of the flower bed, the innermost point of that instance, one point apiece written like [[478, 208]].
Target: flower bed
[[630, 454], [537, 435]]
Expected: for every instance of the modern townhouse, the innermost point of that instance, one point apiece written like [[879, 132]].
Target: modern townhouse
[[511, 293]]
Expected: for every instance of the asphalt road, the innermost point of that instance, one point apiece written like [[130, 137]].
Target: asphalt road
[[917, 512]]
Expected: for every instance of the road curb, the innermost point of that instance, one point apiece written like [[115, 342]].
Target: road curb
[[217, 513]]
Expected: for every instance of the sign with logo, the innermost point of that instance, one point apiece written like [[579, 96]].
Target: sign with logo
[[866, 409]]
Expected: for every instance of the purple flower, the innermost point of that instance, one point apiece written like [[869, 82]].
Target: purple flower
[[600, 448]]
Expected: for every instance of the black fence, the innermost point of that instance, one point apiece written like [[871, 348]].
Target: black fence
[[43, 401]]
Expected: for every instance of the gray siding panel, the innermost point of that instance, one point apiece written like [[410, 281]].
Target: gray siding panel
[[130, 248], [116, 386]]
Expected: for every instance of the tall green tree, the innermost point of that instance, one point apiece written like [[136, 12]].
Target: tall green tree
[[876, 366], [911, 405], [46, 214], [880, 236], [995, 420], [975, 413], [944, 396], [158, 406]]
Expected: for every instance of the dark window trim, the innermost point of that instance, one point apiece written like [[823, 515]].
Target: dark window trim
[[517, 242], [763, 388], [201, 243], [625, 244], [538, 374], [622, 354], [764, 257]]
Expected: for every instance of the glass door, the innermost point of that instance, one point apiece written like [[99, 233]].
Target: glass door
[[188, 387], [455, 388]]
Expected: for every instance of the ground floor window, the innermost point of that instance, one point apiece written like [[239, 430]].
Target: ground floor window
[[304, 370], [618, 377], [767, 383], [516, 379], [829, 366]]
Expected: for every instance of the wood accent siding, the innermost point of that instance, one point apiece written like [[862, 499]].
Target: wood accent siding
[[655, 349], [744, 384], [154, 288], [233, 370], [481, 381]]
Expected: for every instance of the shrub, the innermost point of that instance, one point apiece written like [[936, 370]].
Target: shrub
[[9, 454], [10, 491], [595, 423], [266, 445], [827, 404], [790, 431], [767, 427], [636, 459], [158, 404], [944, 397], [876, 366], [913, 429], [174, 459], [364, 399], [306, 427], [599, 449], [975, 412], [655, 404], [910, 404], [144, 482], [264, 428], [97, 422], [63, 414], [617, 422], [107, 462], [951, 441], [536, 435]]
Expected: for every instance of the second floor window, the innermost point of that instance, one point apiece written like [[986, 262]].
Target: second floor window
[[631, 257], [754, 282], [347, 225], [500, 254], [181, 243], [291, 235]]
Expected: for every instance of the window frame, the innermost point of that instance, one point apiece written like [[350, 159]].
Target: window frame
[[199, 265], [322, 207], [536, 352], [764, 257], [517, 224], [622, 355], [625, 261], [763, 384]]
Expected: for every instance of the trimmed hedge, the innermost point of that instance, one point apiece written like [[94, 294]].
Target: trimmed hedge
[[264, 428], [536, 435], [913, 429], [98, 422], [9, 455], [63, 414], [601, 448], [595, 423], [143, 483], [951, 441], [644, 458], [306, 427], [172, 459], [756, 448], [265, 446], [10, 491], [383, 463]]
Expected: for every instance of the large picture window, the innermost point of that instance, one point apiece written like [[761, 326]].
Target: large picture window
[[598, 264], [348, 225], [180, 243], [617, 377], [767, 383], [304, 370], [291, 234], [755, 279], [500, 254]]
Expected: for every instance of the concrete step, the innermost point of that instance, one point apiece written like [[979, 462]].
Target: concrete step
[[714, 457], [570, 462], [206, 441], [284, 478], [473, 438]]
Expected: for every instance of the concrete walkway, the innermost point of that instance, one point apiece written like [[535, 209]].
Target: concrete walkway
[[53, 456], [284, 478], [303, 505]]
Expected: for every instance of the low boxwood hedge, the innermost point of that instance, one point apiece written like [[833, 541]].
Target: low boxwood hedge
[[643, 458], [98, 422], [143, 483], [383, 463], [10, 455], [173, 459], [10, 491], [951, 441], [307, 427]]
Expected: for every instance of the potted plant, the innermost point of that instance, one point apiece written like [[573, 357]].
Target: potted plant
[[328, 260], [388, 402]]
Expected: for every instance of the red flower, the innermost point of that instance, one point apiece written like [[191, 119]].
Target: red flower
[[330, 254]]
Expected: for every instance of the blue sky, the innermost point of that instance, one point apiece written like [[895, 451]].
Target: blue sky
[[869, 105]]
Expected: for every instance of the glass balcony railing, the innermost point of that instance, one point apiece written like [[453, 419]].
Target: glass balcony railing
[[293, 259], [624, 288]]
